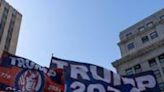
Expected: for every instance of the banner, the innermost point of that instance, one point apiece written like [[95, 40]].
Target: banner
[[82, 77], [19, 74]]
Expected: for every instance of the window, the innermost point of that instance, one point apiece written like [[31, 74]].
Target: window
[[145, 39], [129, 71], [162, 17], [152, 62], [157, 73], [161, 85], [141, 28], [154, 35], [10, 32], [137, 68], [0, 3], [128, 34], [130, 46], [3, 21], [161, 58], [163, 69], [150, 24]]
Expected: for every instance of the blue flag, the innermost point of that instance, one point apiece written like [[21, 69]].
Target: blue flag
[[83, 77]]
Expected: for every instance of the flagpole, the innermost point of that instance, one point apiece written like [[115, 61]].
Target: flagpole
[[52, 54]]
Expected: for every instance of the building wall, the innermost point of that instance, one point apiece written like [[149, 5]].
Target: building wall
[[134, 34], [147, 37], [143, 61], [9, 36]]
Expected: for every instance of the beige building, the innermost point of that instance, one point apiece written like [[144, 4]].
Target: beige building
[[142, 48], [10, 20]]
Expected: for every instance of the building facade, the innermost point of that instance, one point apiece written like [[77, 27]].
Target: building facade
[[10, 21], [142, 48]]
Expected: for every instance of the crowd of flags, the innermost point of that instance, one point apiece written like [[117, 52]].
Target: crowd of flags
[[19, 74]]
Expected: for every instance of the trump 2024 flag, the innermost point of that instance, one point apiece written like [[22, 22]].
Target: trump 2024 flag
[[83, 77]]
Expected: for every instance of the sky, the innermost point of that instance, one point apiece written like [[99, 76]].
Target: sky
[[79, 30]]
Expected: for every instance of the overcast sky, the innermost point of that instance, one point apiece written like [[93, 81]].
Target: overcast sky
[[80, 30]]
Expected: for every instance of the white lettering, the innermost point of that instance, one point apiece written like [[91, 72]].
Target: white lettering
[[21, 62], [113, 89], [135, 90], [60, 64], [98, 87], [117, 79], [25, 63], [128, 81], [79, 70], [144, 82], [106, 75], [38, 67], [78, 87], [13, 61], [29, 64]]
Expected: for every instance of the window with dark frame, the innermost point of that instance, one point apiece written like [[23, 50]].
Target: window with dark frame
[[161, 85], [129, 71], [10, 32], [157, 73], [154, 35], [163, 69], [0, 3], [3, 21], [141, 28], [131, 46], [145, 39], [162, 17], [137, 68], [150, 24], [161, 58], [152, 62], [128, 34]]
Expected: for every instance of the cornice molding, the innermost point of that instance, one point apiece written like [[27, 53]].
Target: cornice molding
[[138, 53]]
